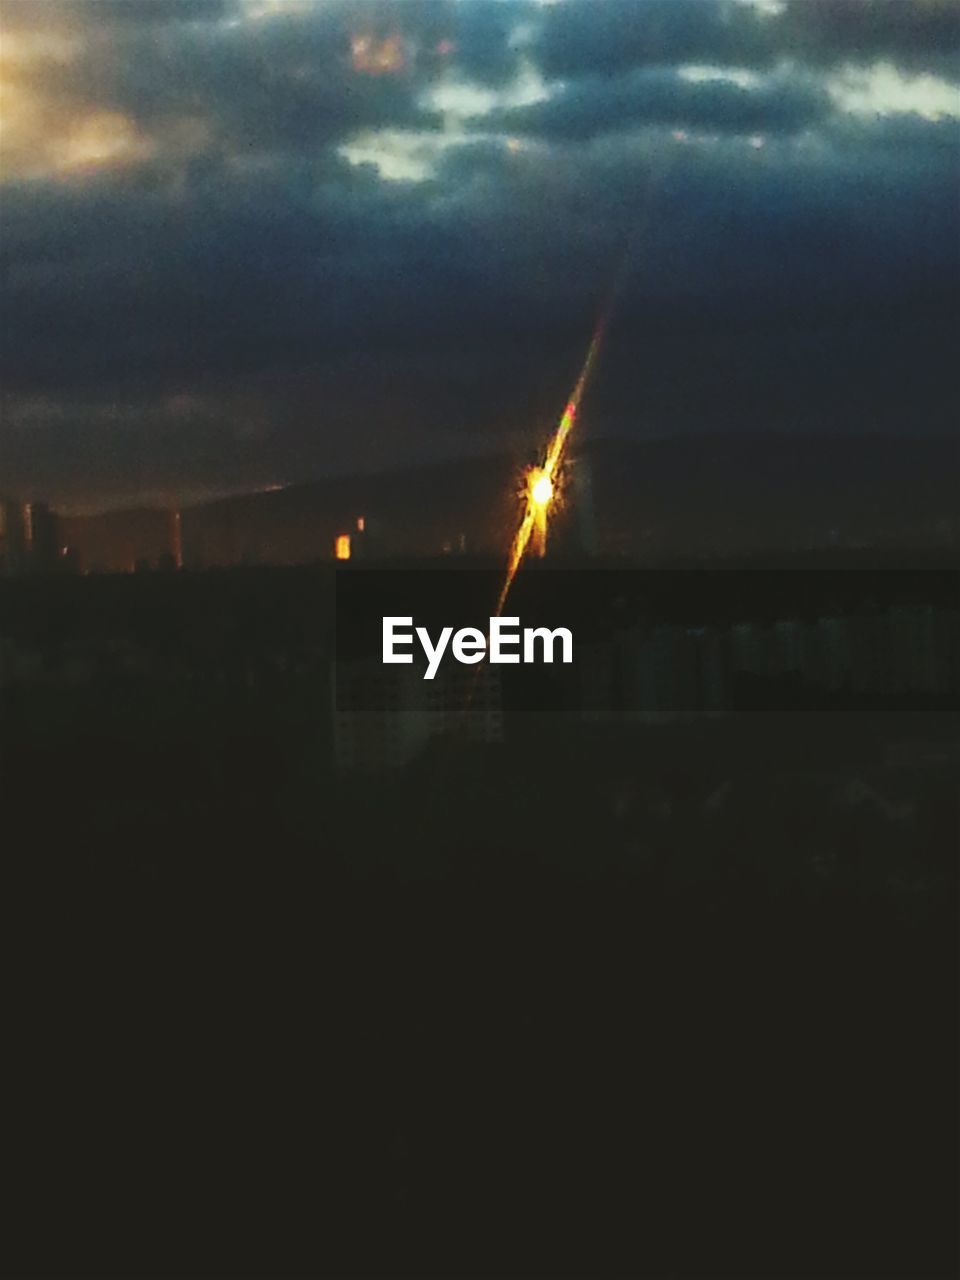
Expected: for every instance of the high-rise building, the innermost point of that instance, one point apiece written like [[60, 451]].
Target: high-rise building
[[176, 539], [12, 537], [42, 536], [29, 538]]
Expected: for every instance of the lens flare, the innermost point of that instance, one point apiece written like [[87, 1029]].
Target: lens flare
[[541, 481], [541, 488]]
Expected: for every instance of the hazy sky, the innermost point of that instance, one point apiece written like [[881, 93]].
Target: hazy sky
[[247, 242]]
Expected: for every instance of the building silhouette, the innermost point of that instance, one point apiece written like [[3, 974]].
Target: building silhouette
[[30, 538], [12, 537]]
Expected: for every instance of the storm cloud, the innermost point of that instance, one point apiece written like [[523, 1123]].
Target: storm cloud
[[247, 241]]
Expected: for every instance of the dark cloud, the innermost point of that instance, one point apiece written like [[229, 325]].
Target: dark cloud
[[913, 34], [246, 305], [285, 78], [583, 37], [286, 81], [594, 105], [594, 37], [243, 270], [481, 36], [104, 15]]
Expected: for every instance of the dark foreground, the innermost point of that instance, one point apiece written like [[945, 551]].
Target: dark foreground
[[565, 1042], [675, 1000]]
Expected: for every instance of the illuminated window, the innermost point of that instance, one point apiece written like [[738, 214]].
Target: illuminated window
[[341, 548]]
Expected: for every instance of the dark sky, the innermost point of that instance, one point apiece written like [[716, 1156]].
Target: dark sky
[[248, 242]]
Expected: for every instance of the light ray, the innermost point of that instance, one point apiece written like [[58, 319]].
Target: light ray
[[541, 482]]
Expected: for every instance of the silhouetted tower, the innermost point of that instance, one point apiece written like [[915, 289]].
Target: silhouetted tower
[[13, 549], [41, 530]]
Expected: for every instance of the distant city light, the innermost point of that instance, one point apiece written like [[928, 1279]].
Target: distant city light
[[341, 548], [361, 524]]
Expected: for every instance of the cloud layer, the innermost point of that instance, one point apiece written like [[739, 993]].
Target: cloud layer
[[249, 241]]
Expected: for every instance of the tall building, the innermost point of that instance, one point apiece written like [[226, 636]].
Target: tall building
[[12, 537], [662, 680], [176, 539], [29, 538], [42, 535], [825, 652]]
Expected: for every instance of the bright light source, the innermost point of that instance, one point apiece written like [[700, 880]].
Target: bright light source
[[541, 489], [341, 548]]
